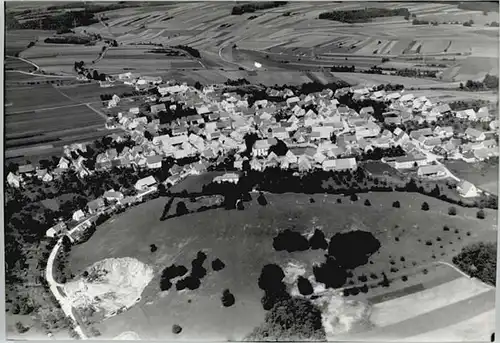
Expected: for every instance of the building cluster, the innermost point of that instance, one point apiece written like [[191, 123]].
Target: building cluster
[[318, 131]]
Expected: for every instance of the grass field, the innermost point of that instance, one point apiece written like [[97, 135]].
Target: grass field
[[482, 174], [243, 240]]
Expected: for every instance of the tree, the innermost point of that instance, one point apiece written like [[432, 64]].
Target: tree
[[261, 199], [176, 329], [396, 204], [479, 261], [95, 75], [217, 265], [292, 319], [153, 248], [227, 298], [305, 287], [452, 211], [491, 81], [367, 202], [354, 197], [480, 214], [198, 85], [181, 209], [21, 328], [425, 206]]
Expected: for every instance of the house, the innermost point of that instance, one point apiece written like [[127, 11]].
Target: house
[[443, 132], [261, 147], [27, 169], [63, 163], [113, 195], [292, 101], [255, 164], [78, 215], [304, 163], [155, 109], [475, 135], [406, 162], [134, 110], [227, 177], [441, 109], [13, 180], [432, 171], [466, 114], [56, 229], [96, 205], [145, 183], [340, 164], [467, 189], [483, 114], [366, 111], [154, 162], [172, 180], [154, 80]]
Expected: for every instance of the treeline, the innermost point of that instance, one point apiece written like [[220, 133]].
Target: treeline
[[238, 82], [424, 22], [192, 51], [68, 40], [343, 69], [377, 153], [255, 6], [416, 73], [93, 8], [167, 52], [363, 15], [461, 105], [489, 82], [61, 21]]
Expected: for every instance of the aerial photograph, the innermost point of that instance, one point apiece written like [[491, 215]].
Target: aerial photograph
[[251, 171]]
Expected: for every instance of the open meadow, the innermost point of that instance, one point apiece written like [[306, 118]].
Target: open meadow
[[411, 240]]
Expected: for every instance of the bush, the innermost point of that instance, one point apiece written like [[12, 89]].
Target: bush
[[452, 211], [367, 202], [262, 200], [290, 241], [318, 240], [446, 228], [339, 201], [227, 298], [404, 278], [479, 260], [428, 242], [21, 328], [330, 273], [217, 265], [305, 287], [396, 204], [353, 249], [480, 214], [181, 209], [312, 201], [425, 206], [176, 329], [153, 248], [292, 319], [354, 197]]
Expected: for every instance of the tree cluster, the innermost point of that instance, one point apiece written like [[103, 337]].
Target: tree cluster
[[363, 15], [190, 50], [479, 260], [256, 6], [343, 69]]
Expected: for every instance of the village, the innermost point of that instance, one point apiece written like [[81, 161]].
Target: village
[[318, 130]]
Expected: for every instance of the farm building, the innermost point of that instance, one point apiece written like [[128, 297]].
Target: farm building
[[27, 169], [78, 215], [228, 177], [340, 164], [155, 109], [475, 135], [406, 162], [112, 195], [56, 229], [432, 171], [145, 183], [95, 205], [261, 147], [467, 189], [154, 162], [13, 180]]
